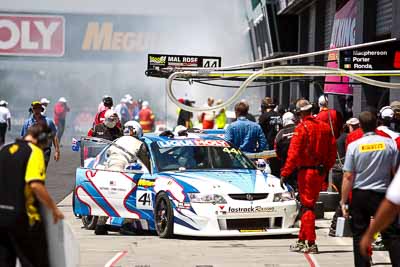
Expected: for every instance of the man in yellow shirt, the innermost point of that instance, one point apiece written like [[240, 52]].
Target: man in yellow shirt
[[22, 191]]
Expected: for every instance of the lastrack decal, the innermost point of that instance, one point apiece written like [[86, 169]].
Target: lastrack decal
[[192, 142], [251, 209]]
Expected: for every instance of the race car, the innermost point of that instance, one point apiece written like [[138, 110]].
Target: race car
[[194, 185]]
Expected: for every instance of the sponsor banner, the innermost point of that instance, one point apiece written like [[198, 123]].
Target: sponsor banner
[[251, 209], [343, 34], [32, 35], [157, 61], [376, 57], [192, 142]]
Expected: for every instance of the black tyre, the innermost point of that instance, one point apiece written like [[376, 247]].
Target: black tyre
[[164, 216], [90, 222]]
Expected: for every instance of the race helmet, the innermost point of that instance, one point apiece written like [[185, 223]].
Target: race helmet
[[108, 101], [134, 127], [110, 119]]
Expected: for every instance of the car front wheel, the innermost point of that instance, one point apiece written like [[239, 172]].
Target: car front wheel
[[164, 216]]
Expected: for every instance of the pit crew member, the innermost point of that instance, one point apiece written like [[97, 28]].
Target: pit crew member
[[312, 153]]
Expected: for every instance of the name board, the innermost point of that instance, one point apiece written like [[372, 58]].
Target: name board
[[156, 62], [385, 57]]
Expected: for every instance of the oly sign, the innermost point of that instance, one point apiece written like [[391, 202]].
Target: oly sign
[[32, 35]]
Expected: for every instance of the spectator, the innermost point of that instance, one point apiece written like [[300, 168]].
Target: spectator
[[330, 116], [270, 120], [146, 117], [45, 102], [207, 118], [60, 114], [22, 189], [185, 117], [37, 117], [282, 143], [245, 134], [367, 181], [5, 120], [220, 118]]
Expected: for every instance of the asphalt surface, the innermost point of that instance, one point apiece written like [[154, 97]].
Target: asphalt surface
[[151, 251], [61, 175]]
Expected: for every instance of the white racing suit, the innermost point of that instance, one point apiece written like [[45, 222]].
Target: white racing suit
[[122, 152]]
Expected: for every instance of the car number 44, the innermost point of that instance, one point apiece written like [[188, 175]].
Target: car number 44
[[143, 200]]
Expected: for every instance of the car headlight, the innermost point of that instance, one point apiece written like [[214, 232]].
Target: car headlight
[[206, 198], [285, 196]]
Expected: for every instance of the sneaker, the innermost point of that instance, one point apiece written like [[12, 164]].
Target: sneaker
[[101, 230], [313, 249], [298, 246]]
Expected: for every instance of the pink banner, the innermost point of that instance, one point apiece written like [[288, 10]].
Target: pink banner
[[343, 34]]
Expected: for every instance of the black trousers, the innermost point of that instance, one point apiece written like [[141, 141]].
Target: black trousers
[[3, 130], [364, 205], [27, 243]]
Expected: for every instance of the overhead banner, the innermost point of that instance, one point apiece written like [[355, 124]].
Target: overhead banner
[[343, 34], [382, 57], [32, 35], [81, 37]]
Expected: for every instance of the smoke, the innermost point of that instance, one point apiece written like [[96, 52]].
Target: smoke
[[208, 27]]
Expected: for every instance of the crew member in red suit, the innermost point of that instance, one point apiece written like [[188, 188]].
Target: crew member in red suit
[[146, 117], [330, 116], [312, 152]]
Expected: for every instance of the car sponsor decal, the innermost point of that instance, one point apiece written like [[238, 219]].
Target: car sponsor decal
[[252, 230], [170, 185], [371, 147], [192, 142], [145, 183], [251, 209], [144, 200]]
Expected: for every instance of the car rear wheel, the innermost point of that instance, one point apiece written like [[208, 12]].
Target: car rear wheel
[[90, 222], [164, 216]]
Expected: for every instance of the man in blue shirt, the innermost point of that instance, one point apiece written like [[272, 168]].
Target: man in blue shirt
[[37, 117], [245, 134]]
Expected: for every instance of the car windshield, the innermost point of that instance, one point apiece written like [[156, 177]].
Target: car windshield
[[199, 158]]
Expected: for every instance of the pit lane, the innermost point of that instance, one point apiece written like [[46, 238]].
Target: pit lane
[[150, 251]]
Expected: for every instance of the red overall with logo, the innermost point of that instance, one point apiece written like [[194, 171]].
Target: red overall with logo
[[312, 147]]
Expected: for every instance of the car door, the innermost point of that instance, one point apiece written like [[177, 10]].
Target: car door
[[103, 192]]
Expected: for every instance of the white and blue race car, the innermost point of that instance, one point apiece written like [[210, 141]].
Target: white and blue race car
[[198, 185]]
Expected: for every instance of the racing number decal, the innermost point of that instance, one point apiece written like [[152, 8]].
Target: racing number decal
[[143, 200], [210, 63], [232, 151]]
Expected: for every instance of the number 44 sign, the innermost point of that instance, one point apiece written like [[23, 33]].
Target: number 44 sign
[[143, 200]]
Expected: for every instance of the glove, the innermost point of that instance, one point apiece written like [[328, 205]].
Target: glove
[[283, 182]]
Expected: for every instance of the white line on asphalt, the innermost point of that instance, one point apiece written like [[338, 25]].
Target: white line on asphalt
[[115, 259]]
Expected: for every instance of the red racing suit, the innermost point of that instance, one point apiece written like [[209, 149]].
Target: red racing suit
[[146, 119], [336, 118], [311, 148]]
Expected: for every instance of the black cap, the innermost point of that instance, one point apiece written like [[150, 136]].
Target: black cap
[[108, 101]]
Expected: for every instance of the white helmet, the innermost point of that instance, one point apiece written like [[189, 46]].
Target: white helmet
[[62, 99], [44, 101], [288, 118], [135, 126], [110, 118], [322, 101], [145, 104]]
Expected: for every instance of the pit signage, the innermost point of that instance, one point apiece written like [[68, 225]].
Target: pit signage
[[32, 35], [155, 62], [384, 57]]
